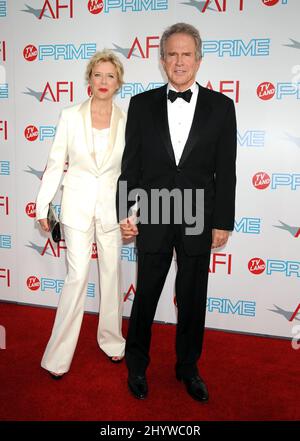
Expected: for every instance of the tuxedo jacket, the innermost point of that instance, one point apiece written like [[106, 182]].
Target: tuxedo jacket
[[85, 181], [207, 162]]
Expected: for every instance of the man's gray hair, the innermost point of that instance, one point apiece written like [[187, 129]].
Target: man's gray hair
[[182, 28]]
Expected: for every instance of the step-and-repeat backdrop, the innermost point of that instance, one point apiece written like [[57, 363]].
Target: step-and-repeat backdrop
[[251, 53]]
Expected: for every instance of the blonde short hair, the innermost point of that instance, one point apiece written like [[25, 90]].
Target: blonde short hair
[[104, 56]]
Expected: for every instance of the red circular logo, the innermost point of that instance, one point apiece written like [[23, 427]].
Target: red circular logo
[[256, 265], [265, 91], [95, 6], [33, 283], [261, 180], [270, 2], [30, 52], [31, 133], [30, 209]]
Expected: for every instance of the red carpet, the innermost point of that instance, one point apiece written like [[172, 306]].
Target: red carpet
[[249, 378]]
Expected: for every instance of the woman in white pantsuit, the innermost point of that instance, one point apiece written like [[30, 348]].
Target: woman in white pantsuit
[[91, 137]]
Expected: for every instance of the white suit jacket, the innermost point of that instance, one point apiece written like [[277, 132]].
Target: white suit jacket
[[73, 142]]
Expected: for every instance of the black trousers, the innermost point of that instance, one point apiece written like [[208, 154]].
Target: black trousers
[[191, 294]]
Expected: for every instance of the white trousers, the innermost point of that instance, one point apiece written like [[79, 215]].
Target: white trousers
[[61, 346]]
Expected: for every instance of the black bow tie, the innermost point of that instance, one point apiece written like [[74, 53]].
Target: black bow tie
[[186, 95]]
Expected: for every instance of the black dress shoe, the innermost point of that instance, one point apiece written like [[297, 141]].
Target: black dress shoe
[[195, 387], [138, 386]]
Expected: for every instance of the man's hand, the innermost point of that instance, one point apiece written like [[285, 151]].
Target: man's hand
[[129, 228], [44, 225], [219, 238]]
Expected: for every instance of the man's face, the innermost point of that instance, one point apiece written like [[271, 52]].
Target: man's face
[[180, 63]]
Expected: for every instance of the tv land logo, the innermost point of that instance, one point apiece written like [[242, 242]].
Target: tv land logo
[[293, 230], [288, 268], [267, 90], [46, 285], [4, 205], [224, 6], [5, 277], [262, 180], [32, 133], [106, 6], [2, 51], [3, 130], [56, 52], [30, 209], [57, 91]]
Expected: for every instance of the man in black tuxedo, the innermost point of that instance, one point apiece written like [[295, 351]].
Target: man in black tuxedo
[[180, 136]]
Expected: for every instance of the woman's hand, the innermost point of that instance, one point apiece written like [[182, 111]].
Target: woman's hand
[[44, 224]]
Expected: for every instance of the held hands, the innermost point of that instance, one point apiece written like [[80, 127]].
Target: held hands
[[129, 228], [44, 225], [219, 238]]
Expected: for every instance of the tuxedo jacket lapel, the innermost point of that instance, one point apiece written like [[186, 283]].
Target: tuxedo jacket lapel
[[114, 123], [160, 111]]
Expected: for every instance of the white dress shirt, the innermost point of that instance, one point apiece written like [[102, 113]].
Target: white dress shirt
[[180, 118]]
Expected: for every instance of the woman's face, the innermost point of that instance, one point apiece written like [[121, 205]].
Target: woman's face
[[104, 80]]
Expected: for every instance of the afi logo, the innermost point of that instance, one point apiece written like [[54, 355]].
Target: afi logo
[[33, 283], [30, 52], [220, 259], [227, 87], [95, 6], [2, 51], [220, 5], [53, 7], [49, 247], [5, 274], [261, 180], [137, 45], [30, 209], [4, 204], [256, 265], [58, 89], [3, 130], [31, 133]]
